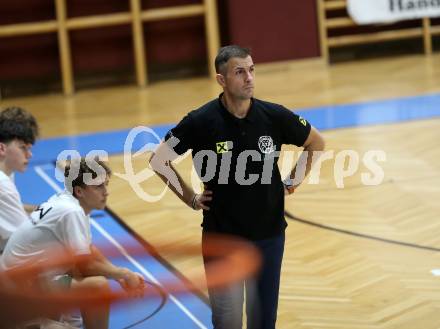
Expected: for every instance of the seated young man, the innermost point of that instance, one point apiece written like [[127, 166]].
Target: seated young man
[[62, 224], [18, 131]]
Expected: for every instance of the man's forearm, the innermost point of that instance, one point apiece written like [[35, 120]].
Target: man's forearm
[[99, 265], [161, 163], [187, 193], [305, 163]]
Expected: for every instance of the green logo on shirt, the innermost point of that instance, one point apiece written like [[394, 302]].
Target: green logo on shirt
[[222, 147], [303, 121]]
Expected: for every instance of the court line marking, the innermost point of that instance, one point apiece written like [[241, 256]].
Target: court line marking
[[141, 268], [359, 235]]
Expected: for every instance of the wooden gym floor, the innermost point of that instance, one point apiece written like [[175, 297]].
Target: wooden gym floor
[[330, 279]]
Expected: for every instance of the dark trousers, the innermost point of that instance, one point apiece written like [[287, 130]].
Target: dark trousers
[[261, 292]]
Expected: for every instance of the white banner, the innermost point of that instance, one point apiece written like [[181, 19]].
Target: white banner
[[384, 11]]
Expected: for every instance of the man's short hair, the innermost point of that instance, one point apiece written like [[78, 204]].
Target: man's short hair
[[76, 169], [17, 123], [226, 53]]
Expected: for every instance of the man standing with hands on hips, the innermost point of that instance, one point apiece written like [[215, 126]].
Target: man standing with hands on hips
[[235, 141]]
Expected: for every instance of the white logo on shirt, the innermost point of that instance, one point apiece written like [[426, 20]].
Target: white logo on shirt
[[265, 143]]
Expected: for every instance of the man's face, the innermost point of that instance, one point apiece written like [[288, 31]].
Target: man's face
[[238, 78], [16, 155], [93, 196]]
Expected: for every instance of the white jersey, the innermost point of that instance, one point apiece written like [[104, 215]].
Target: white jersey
[[12, 213], [56, 226]]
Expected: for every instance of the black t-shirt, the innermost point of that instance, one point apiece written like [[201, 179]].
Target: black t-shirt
[[237, 160]]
